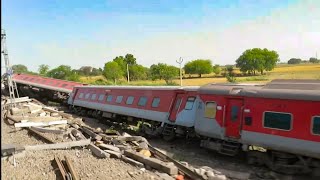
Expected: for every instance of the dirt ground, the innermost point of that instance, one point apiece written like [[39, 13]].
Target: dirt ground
[[38, 164]]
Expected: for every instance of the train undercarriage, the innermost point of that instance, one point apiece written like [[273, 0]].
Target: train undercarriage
[[277, 161]]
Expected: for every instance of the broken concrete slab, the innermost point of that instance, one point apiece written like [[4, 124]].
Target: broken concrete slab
[[40, 124]]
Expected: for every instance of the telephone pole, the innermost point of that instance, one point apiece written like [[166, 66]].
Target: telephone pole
[[180, 63]]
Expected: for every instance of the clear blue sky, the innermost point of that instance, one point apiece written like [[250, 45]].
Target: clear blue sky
[[78, 33]]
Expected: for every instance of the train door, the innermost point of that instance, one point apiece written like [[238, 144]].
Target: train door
[[74, 95], [233, 118], [175, 107]]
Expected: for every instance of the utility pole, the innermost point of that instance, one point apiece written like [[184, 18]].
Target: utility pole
[[128, 73], [180, 63]]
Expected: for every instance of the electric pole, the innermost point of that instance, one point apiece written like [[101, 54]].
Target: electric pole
[[180, 63], [128, 73]]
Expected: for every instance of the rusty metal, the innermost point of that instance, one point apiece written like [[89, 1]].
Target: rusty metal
[[61, 168]]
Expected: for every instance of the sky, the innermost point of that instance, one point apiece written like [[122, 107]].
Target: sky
[[91, 33]]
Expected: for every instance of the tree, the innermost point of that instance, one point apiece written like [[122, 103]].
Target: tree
[[43, 69], [73, 76], [112, 71], [256, 59], [216, 69], [85, 70], [163, 71], [199, 67], [61, 72], [19, 68], [294, 61], [138, 72], [314, 60], [229, 73], [130, 59]]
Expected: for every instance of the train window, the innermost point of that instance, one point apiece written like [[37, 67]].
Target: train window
[[155, 102], [142, 101], [101, 97], [109, 98], [80, 95], [130, 100], [94, 96], [119, 99], [277, 120], [190, 102], [234, 113], [316, 125], [87, 96], [178, 103], [211, 110]]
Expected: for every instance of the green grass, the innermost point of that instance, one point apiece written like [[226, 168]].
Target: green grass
[[282, 71]]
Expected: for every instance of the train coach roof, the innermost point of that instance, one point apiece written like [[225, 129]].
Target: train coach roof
[[279, 89], [190, 88]]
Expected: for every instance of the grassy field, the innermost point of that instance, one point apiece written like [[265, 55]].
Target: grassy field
[[282, 71]]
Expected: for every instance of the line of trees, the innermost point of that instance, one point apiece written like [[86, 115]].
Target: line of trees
[[250, 62], [299, 61]]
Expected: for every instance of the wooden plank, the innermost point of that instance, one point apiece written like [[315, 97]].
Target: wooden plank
[[98, 152], [132, 161], [63, 145], [39, 124], [91, 133], [71, 169], [41, 136], [69, 116], [46, 130], [152, 162], [114, 154], [61, 168], [181, 167], [77, 134], [109, 147]]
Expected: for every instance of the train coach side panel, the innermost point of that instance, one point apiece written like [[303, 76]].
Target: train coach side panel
[[209, 116], [297, 137], [159, 113]]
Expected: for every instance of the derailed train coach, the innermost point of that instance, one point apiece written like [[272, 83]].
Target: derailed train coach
[[277, 124]]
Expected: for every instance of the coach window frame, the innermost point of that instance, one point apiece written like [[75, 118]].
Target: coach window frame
[[119, 99], [93, 97], [312, 125], [188, 102], [153, 101], [291, 120], [145, 102], [109, 98], [205, 109], [130, 100], [101, 97], [87, 95]]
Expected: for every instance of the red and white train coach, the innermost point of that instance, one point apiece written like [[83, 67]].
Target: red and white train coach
[[160, 106], [281, 118]]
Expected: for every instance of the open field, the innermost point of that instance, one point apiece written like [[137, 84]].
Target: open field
[[282, 71]]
